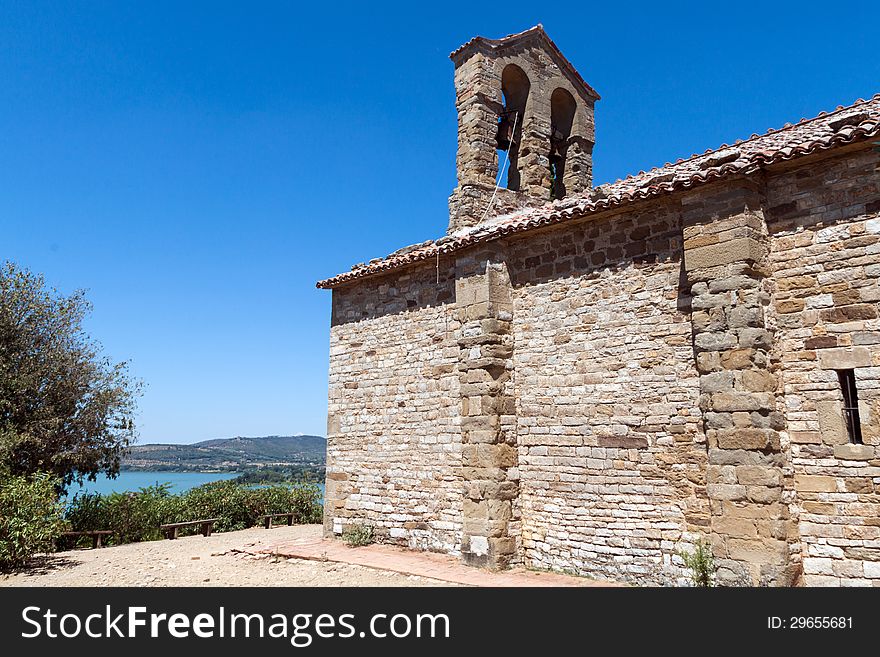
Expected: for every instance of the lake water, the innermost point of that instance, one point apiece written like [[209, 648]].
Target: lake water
[[130, 480]]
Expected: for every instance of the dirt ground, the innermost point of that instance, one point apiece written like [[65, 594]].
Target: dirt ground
[[218, 560]]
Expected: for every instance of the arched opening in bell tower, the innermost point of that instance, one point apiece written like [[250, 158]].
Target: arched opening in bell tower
[[515, 87], [562, 109]]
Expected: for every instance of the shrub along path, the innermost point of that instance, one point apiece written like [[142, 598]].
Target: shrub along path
[[223, 559]]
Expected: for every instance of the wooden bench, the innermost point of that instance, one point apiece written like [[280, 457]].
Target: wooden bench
[[97, 536], [205, 526], [267, 519]]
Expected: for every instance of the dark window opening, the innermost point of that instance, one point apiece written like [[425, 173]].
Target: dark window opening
[[562, 111], [515, 89], [557, 188], [847, 380]]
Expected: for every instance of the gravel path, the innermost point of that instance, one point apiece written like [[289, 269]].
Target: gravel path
[[218, 560]]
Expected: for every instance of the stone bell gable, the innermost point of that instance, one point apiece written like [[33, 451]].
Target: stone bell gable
[[594, 383], [519, 99]]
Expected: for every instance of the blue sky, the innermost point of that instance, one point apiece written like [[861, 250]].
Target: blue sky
[[198, 166]]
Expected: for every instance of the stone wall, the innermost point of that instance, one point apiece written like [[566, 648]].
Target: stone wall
[[488, 423], [393, 434], [726, 246], [595, 396], [611, 447], [824, 221]]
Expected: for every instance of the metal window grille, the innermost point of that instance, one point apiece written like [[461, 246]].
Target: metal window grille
[[847, 380]]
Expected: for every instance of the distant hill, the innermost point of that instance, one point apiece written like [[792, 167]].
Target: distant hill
[[229, 454]]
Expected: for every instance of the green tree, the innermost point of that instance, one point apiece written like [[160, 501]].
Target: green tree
[[65, 409]]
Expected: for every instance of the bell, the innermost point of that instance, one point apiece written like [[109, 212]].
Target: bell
[[505, 133]]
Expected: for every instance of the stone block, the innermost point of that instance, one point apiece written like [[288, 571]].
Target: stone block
[[858, 485], [747, 439], [743, 249], [851, 452], [479, 422], [500, 455], [715, 341], [708, 361], [711, 301], [718, 420], [735, 282], [474, 436], [502, 546], [796, 283], [779, 529], [758, 475], [819, 508], [755, 338], [844, 358], [758, 551], [729, 402], [866, 338], [744, 317], [475, 526], [726, 491], [821, 342], [843, 314], [825, 550], [786, 306], [723, 474], [832, 425], [739, 527], [818, 565], [759, 381], [872, 569], [805, 437], [625, 442], [737, 359], [484, 476], [478, 545], [815, 483], [716, 382], [763, 494]]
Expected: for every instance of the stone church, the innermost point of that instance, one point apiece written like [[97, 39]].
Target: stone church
[[591, 379]]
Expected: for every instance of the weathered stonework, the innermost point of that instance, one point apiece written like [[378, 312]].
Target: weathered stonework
[[393, 430], [612, 453], [488, 421], [726, 247], [824, 223], [525, 70], [660, 361]]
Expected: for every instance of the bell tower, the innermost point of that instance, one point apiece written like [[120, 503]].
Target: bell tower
[[525, 111]]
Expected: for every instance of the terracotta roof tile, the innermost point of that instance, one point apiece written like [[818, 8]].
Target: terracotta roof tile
[[857, 122]]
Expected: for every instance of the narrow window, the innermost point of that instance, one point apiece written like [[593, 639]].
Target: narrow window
[[847, 380]]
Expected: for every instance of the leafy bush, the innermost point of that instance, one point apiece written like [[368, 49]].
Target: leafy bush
[[136, 516], [131, 516], [239, 507], [358, 535], [701, 564], [30, 517]]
